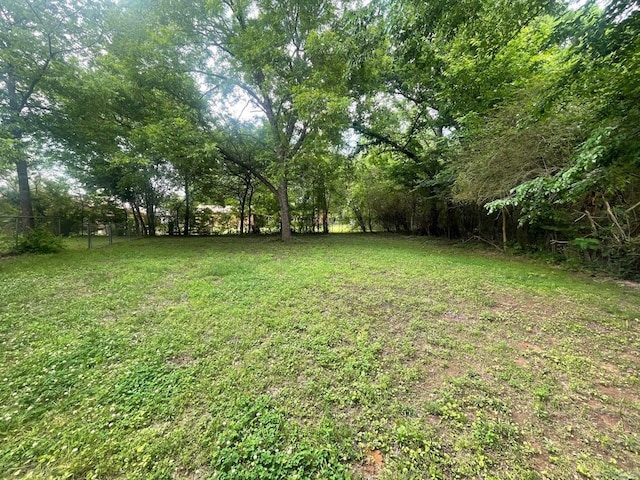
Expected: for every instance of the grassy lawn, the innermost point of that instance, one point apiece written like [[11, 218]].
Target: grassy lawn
[[344, 356]]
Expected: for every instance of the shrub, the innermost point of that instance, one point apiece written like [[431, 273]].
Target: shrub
[[40, 240]]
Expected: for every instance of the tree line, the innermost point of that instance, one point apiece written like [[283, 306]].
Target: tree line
[[511, 122]]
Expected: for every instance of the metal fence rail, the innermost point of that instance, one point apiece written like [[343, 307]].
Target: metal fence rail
[[87, 234], [102, 234], [97, 233]]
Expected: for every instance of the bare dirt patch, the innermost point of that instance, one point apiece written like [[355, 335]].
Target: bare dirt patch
[[619, 394], [372, 465], [458, 317], [182, 360]]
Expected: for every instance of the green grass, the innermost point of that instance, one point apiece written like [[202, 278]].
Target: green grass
[[343, 356]]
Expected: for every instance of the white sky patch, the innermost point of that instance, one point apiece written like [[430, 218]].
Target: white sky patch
[[603, 4], [253, 11], [236, 105], [350, 140], [226, 98], [577, 4], [244, 111], [627, 13]]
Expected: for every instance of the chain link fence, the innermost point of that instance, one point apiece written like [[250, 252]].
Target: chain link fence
[[98, 233], [76, 235], [14, 228], [103, 234]]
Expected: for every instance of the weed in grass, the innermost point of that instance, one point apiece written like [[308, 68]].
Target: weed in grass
[[258, 442], [446, 407]]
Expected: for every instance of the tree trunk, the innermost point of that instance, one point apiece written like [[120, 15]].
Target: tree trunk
[[141, 220], [15, 107], [250, 209], [359, 218], [325, 212], [243, 203], [285, 220], [151, 220], [187, 202], [150, 205], [504, 229], [26, 206], [136, 222]]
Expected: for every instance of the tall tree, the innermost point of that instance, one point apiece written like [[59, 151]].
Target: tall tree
[[285, 59], [177, 139], [39, 41], [132, 115]]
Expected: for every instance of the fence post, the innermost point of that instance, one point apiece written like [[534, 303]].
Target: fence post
[[17, 232], [89, 235], [110, 233]]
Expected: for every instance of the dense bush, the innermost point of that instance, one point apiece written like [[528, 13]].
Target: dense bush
[[40, 240]]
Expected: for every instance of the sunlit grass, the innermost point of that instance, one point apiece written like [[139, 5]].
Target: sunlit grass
[[345, 356]]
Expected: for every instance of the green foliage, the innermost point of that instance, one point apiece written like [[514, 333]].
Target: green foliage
[[259, 443], [585, 244], [420, 453], [40, 240], [515, 144], [390, 193], [539, 196], [40, 47]]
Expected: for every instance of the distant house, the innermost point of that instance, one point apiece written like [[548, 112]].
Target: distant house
[[214, 219], [213, 209], [205, 220]]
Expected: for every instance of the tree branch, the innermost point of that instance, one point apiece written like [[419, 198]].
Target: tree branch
[[384, 140], [228, 156]]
